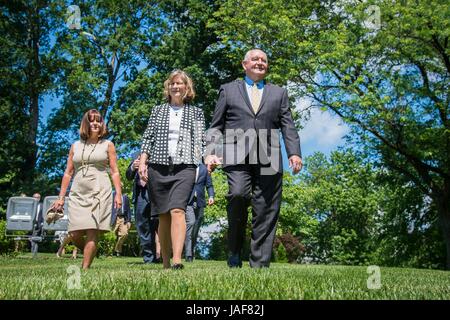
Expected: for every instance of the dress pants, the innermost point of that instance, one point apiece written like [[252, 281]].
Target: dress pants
[[146, 226], [121, 231], [247, 186], [194, 219]]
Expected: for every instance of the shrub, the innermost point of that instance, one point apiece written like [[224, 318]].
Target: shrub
[[291, 245], [107, 242], [6, 244], [280, 254]]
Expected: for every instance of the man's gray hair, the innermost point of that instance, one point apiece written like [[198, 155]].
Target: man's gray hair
[[247, 55]]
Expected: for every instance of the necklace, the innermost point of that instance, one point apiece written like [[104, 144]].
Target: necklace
[[85, 163], [176, 110]]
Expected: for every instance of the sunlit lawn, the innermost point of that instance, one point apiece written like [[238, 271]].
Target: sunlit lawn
[[47, 277]]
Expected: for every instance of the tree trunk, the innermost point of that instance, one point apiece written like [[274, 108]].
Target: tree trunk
[[443, 202], [112, 70], [33, 78]]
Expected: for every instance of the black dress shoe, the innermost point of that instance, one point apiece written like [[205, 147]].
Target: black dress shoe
[[189, 259], [177, 266], [234, 261]]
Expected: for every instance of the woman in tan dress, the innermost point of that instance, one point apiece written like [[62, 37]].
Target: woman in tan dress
[[90, 199]]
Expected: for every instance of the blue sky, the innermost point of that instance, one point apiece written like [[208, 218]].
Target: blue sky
[[323, 132], [49, 104]]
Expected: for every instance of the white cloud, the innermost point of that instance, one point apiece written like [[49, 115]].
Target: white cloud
[[322, 132]]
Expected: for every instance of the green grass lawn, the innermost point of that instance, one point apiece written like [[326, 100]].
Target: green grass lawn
[[48, 277]]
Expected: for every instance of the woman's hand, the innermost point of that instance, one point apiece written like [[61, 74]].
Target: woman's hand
[[117, 200], [58, 205]]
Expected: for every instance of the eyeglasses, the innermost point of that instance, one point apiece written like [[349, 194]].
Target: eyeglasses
[[95, 117]]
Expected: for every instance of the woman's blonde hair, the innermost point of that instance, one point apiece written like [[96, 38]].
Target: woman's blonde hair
[[190, 92], [85, 128]]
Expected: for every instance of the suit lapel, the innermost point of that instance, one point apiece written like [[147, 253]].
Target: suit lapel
[[244, 94], [264, 97]]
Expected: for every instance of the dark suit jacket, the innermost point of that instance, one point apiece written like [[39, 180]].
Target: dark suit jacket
[[133, 174], [40, 214], [248, 134], [203, 180], [39, 220], [125, 209]]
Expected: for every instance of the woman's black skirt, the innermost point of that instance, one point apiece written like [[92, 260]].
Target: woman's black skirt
[[170, 186]]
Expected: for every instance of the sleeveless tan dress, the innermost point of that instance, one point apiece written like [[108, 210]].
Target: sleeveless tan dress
[[90, 198]]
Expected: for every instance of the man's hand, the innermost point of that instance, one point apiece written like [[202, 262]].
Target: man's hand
[[212, 161], [143, 171], [295, 163], [210, 201]]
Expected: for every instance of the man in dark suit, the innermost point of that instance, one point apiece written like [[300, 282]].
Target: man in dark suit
[[38, 224], [195, 209], [248, 117], [121, 222], [146, 225]]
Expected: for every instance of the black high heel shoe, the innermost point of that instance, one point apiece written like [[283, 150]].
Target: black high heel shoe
[[177, 266]]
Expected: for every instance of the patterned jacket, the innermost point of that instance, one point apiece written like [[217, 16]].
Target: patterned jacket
[[191, 142]]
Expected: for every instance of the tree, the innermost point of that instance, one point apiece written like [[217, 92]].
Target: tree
[[26, 75], [340, 198], [406, 230], [388, 80], [97, 57]]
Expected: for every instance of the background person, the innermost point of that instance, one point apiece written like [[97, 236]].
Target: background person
[[39, 223], [64, 239], [146, 223], [195, 209], [121, 222]]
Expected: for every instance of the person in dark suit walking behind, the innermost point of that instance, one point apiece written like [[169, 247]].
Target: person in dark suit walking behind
[[195, 209], [37, 229], [121, 223], [146, 224], [249, 115]]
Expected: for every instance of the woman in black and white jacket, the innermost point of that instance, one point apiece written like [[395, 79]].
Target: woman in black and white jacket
[[172, 147]]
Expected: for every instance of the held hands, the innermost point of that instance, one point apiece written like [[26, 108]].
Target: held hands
[[295, 163], [143, 171], [212, 161]]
